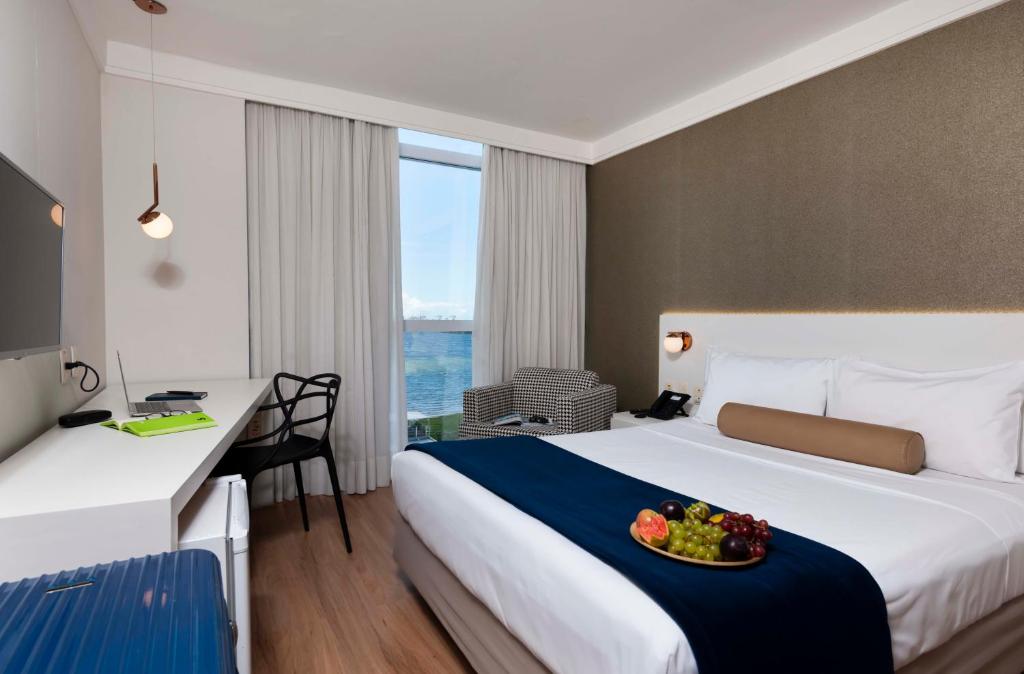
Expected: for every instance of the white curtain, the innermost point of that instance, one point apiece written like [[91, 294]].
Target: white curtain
[[325, 282], [530, 265]]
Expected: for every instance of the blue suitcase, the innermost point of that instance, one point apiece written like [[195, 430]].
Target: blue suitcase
[[162, 613]]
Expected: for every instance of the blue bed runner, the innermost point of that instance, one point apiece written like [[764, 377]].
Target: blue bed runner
[[805, 608]]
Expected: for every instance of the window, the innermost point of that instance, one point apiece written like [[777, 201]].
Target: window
[[440, 210]]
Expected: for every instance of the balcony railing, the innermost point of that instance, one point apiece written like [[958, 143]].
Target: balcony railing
[[435, 382], [437, 325]]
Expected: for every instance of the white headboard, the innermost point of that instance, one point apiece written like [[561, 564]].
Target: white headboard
[[924, 341]]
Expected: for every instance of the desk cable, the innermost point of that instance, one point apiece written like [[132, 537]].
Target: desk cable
[[88, 368]]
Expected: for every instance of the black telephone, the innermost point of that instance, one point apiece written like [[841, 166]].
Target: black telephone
[[668, 405]]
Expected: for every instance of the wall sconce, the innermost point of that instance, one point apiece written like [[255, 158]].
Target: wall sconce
[[676, 342]]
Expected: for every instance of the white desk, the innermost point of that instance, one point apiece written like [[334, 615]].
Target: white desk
[[87, 495]]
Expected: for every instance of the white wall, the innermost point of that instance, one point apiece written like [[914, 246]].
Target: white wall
[[177, 308], [50, 127]]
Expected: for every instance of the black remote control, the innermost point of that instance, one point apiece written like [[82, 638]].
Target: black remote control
[[83, 418]]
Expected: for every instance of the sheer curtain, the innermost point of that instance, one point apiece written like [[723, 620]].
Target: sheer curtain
[[530, 265], [325, 281]]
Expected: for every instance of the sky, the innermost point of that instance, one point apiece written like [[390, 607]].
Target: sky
[[440, 208]]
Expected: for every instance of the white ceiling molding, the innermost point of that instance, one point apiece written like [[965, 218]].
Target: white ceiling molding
[[901, 23], [131, 61]]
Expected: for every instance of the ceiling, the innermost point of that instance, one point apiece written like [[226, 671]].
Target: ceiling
[[579, 69]]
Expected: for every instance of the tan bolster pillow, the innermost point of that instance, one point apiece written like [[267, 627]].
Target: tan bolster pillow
[[867, 444]]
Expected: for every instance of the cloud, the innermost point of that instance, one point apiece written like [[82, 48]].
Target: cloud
[[414, 307]]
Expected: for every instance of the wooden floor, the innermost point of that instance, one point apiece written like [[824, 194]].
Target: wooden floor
[[318, 609]]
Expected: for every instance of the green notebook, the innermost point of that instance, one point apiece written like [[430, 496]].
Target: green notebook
[[162, 425]]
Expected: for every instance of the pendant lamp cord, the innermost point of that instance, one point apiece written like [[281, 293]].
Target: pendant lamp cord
[[152, 85]]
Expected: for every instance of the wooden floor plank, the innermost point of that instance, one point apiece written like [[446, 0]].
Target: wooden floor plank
[[318, 609]]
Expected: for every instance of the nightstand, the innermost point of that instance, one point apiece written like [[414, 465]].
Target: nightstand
[[627, 420]]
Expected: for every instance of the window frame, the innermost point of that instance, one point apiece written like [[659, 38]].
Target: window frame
[[433, 155]]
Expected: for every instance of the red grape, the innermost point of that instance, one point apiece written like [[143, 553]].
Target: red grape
[[745, 526], [757, 550]]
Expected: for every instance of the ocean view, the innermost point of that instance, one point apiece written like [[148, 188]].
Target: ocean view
[[438, 368]]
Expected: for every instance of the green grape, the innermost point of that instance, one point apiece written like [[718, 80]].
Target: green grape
[[676, 546], [690, 547]]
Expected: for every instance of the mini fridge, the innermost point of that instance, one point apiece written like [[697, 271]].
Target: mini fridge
[[217, 519]]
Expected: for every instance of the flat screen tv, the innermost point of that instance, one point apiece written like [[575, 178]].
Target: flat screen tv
[[31, 242]]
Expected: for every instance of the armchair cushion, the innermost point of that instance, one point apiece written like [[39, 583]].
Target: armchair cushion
[[482, 430]]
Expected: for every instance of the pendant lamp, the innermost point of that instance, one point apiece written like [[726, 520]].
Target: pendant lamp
[[154, 223]]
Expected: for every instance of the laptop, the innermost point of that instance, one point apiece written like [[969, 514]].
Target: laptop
[[144, 409]]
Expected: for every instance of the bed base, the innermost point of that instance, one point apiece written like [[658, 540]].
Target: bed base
[[487, 645], [993, 645]]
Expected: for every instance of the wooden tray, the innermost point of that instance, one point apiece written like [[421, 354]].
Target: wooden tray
[[688, 560]]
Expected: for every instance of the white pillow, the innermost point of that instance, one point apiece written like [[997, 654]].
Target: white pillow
[[970, 419], [792, 384]]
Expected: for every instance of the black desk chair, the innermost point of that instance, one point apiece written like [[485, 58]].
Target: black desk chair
[[249, 459]]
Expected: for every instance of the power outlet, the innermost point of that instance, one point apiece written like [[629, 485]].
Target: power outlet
[[254, 428], [698, 393], [65, 355]]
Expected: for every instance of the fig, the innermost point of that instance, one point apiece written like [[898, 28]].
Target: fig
[[734, 548], [699, 511], [673, 510]]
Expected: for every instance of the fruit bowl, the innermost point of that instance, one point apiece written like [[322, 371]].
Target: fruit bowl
[[689, 560]]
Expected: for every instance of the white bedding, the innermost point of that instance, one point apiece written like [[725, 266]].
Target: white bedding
[[945, 550]]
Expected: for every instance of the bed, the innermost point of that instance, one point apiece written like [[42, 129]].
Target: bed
[[946, 551]]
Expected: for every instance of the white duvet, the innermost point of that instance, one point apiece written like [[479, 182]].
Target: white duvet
[[945, 550]]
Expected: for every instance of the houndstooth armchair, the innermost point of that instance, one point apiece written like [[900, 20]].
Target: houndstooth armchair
[[574, 400]]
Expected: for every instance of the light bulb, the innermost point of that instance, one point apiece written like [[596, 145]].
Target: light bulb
[[57, 215], [674, 343], [160, 227]]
